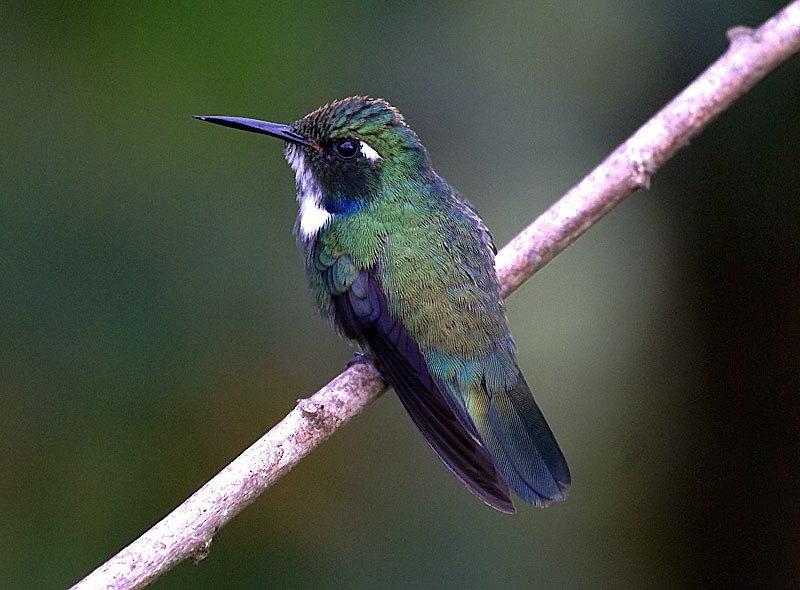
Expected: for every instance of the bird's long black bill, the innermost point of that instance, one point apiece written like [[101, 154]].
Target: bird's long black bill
[[284, 132]]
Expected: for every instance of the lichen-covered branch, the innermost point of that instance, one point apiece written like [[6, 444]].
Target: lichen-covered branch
[[186, 533]]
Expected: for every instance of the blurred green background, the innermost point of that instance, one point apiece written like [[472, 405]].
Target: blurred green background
[[155, 319]]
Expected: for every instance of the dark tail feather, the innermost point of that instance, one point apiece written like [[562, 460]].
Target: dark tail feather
[[524, 448]]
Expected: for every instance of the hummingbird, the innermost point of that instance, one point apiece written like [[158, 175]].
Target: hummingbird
[[403, 267]]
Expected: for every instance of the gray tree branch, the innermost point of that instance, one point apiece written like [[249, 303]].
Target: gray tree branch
[[187, 532]]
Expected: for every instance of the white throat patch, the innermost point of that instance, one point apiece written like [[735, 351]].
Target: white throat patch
[[313, 216]]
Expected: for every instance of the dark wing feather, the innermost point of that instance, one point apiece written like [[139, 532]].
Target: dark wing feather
[[363, 315]]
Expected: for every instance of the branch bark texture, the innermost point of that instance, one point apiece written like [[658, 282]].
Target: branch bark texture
[[187, 532]]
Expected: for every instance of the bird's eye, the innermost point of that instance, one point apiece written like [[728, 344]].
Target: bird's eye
[[346, 148]]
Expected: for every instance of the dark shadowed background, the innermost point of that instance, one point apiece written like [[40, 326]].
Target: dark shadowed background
[[154, 319]]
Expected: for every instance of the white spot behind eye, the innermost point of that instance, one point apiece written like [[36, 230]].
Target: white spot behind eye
[[368, 151]]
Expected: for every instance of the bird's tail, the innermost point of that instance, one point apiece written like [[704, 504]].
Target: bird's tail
[[521, 443]]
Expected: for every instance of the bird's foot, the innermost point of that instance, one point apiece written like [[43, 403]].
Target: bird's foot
[[359, 358]]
